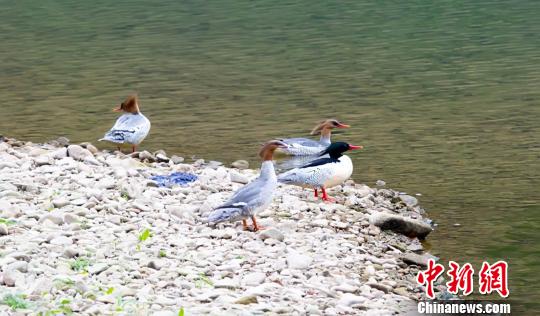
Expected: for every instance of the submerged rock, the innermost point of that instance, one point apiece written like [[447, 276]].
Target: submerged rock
[[399, 224]]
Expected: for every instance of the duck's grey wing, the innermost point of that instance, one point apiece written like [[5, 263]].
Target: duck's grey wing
[[302, 142], [239, 205], [313, 176], [128, 129]]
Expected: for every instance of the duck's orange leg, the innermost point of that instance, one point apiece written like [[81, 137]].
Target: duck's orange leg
[[133, 148], [316, 192], [325, 196], [244, 224], [255, 226]]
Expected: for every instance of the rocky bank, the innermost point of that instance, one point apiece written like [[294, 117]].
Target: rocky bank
[[87, 232]]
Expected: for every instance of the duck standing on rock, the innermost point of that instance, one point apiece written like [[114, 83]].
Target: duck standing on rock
[[305, 146], [323, 173], [254, 196], [132, 127]]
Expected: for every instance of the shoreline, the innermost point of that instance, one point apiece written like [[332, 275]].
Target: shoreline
[[88, 230]]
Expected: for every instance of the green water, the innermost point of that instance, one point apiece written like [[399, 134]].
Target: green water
[[444, 95]]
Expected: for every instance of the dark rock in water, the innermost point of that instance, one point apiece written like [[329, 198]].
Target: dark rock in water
[[402, 225]]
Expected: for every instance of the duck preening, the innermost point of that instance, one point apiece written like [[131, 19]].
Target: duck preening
[[254, 196], [323, 173], [132, 127], [305, 146]]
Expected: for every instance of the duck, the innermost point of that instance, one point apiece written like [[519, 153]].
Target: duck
[[132, 127], [254, 196], [305, 146], [325, 172]]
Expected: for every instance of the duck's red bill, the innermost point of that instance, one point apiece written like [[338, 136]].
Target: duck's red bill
[[343, 126], [352, 147]]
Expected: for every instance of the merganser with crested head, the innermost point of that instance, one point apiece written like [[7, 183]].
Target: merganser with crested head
[[132, 127], [323, 173], [254, 196], [305, 146]]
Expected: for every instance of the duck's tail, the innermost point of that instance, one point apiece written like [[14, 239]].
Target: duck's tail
[[227, 213]]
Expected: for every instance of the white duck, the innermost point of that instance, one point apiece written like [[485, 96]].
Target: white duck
[[254, 196], [132, 127], [305, 146], [323, 173]]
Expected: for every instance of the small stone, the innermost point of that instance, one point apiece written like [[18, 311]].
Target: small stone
[[176, 159], [62, 141], [380, 183], [402, 291], [409, 200], [272, 233], [254, 278], [419, 260], [162, 158], [78, 153], [97, 268], [71, 253], [145, 155], [380, 287], [250, 299], [70, 218], [154, 264], [60, 202], [61, 241], [240, 164], [349, 299], [298, 261], [43, 160], [3, 230]]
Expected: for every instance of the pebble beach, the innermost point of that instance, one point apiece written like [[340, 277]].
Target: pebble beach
[[88, 232]]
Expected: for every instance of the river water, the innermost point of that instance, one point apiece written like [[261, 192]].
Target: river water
[[443, 95]]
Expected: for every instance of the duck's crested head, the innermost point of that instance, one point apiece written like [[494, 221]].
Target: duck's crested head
[[268, 148], [130, 105], [327, 125], [338, 148]]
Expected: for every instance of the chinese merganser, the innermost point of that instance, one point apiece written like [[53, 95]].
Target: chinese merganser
[[305, 146], [323, 173], [254, 196], [132, 127]]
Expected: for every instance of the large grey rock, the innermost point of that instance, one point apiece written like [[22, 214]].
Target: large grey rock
[[399, 224]]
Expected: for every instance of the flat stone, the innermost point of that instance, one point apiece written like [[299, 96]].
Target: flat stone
[[254, 278], [272, 233], [249, 299]]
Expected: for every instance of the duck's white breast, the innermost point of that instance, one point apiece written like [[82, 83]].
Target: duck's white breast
[[341, 171]]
